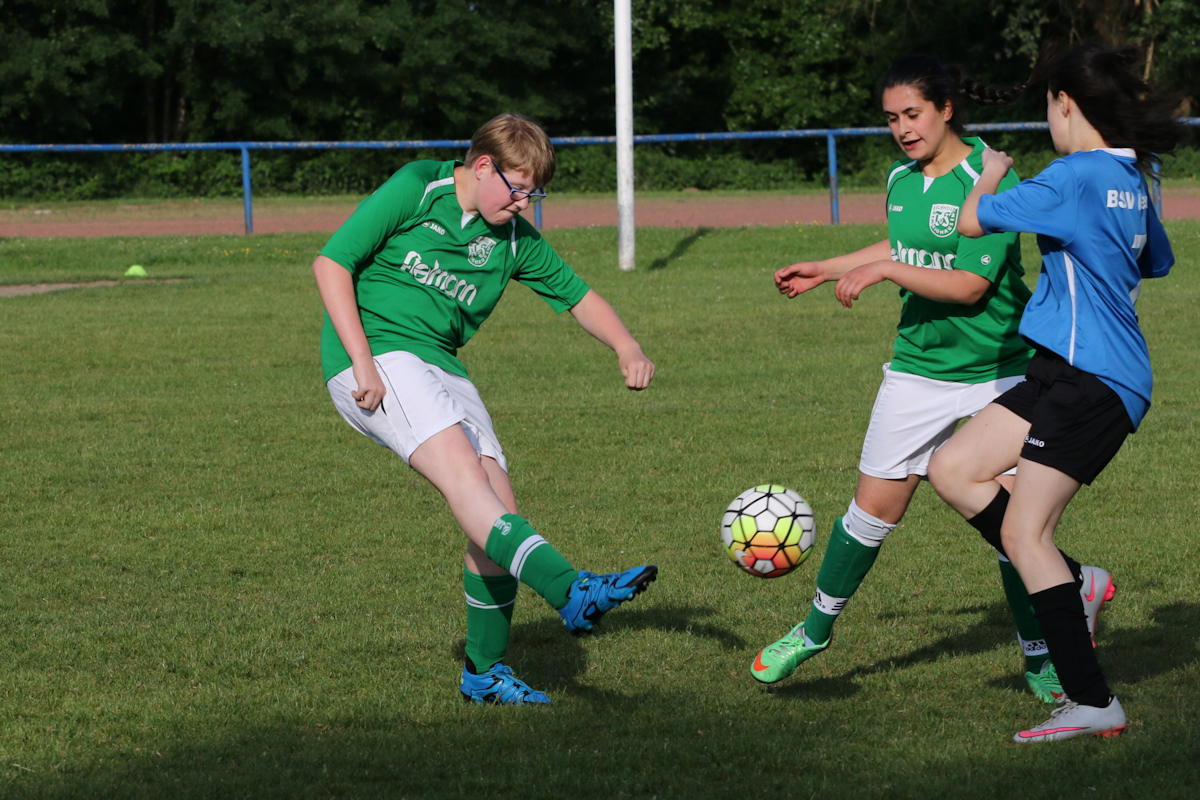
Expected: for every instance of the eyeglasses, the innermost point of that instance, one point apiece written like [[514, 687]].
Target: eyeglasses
[[520, 194]]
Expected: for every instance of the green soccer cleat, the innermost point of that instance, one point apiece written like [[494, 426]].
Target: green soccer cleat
[[779, 660], [1045, 684]]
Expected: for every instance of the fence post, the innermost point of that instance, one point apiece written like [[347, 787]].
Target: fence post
[[833, 179], [1156, 189], [248, 208], [537, 215]]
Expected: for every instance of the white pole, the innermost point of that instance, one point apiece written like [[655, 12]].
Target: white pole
[[623, 24]]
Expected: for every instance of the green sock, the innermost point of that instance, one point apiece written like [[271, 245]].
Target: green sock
[[490, 601], [516, 546], [847, 561], [1029, 632]]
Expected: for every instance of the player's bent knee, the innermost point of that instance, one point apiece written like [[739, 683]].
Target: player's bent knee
[[945, 473]]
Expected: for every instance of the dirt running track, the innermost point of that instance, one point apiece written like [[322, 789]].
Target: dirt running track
[[686, 210]]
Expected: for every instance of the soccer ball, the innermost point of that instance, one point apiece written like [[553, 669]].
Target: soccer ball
[[768, 531]]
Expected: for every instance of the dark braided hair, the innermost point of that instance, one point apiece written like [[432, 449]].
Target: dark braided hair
[[1123, 108], [941, 85]]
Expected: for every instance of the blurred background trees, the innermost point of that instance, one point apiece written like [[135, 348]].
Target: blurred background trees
[[218, 70]]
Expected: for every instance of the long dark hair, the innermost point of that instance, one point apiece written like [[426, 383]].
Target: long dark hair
[[1122, 107], [941, 84]]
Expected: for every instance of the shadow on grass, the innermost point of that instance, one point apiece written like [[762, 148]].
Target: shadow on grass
[[681, 248], [544, 655], [1133, 655], [985, 634], [1128, 656]]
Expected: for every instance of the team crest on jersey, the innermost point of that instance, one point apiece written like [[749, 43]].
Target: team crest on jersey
[[943, 219], [479, 250]]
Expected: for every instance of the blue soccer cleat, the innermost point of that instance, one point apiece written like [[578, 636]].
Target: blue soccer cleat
[[590, 596], [498, 685]]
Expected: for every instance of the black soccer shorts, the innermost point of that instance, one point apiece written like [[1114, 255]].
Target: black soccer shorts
[[1077, 423]]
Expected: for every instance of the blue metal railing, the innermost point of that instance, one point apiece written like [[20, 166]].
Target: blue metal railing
[[831, 136]]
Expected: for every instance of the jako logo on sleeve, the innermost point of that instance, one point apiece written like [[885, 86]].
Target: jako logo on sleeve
[[447, 283]]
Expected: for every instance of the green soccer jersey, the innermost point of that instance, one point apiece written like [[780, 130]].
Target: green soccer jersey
[[426, 274], [949, 341]]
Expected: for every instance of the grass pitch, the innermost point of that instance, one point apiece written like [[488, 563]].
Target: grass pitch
[[213, 587]]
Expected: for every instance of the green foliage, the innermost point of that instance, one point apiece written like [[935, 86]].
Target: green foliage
[[214, 588], [211, 70]]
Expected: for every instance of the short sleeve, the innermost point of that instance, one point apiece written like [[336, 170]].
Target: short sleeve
[[355, 244], [1046, 205], [987, 255], [1156, 258], [543, 271]]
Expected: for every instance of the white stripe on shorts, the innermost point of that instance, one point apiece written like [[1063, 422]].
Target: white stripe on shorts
[[473, 603], [523, 551]]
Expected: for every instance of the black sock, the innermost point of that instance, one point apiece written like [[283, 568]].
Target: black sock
[[988, 523], [1059, 611], [1076, 570]]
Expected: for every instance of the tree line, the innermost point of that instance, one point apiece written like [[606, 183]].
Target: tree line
[[205, 70], [120, 71]]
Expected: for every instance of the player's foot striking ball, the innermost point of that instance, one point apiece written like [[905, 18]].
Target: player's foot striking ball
[[1072, 719], [591, 596], [779, 660], [498, 686]]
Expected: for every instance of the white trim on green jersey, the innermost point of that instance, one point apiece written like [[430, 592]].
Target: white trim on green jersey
[[951, 341], [443, 182], [897, 170], [426, 274]]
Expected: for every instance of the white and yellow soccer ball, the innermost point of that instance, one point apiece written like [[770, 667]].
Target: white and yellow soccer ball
[[768, 531]]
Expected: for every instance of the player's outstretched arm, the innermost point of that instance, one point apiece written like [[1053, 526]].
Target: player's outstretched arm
[[337, 293], [798, 278], [995, 167], [944, 286], [597, 317]]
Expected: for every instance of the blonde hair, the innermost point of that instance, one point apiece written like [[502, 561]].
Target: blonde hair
[[515, 142]]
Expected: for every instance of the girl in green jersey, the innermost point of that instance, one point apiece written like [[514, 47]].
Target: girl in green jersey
[[957, 349], [406, 281]]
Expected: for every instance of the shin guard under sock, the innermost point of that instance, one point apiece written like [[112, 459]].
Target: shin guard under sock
[[516, 546], [1060, 613], [847, 561], [490, 601], [1029, 632]]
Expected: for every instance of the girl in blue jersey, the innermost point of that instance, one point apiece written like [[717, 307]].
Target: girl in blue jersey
[[1088, 385]]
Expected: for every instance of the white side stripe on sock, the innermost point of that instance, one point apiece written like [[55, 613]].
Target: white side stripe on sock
[[526, 547], [473, 603]]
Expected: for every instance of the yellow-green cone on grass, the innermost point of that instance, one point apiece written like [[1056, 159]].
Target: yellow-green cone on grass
[[136, 271]]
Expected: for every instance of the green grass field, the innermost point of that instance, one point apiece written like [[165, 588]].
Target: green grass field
[[213, 587]]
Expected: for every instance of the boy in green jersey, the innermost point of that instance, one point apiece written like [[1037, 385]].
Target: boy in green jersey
[[957, 349], [406, 281]]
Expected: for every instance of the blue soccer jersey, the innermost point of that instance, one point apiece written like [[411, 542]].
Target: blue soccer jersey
[[1099, 237]]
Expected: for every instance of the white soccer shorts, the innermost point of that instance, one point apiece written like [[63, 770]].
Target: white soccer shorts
[[422, 399], [914, 415]]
